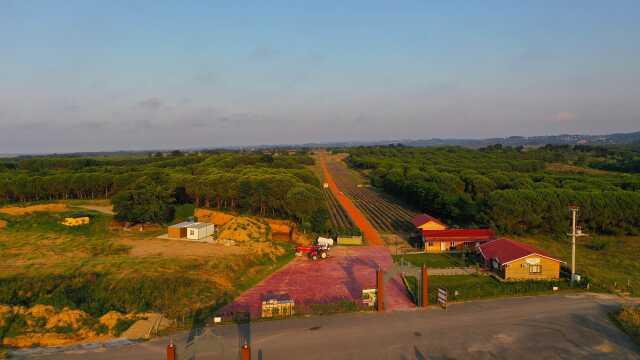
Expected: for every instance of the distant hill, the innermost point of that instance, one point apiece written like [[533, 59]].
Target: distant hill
[[565, 139]]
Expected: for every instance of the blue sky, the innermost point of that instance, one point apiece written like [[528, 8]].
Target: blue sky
[[102, 75]]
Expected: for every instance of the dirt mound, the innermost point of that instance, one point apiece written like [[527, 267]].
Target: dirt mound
[[45, 311], [212, 216], [3, 224], [4, 311], [111, 318], [67, 317], [244, 229], [19, 210], [302, 238], [280, 227]]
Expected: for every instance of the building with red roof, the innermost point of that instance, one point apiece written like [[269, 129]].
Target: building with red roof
[[436, 241], [513, 260], [428, 222]]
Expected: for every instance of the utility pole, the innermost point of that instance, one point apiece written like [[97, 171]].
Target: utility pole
[[575, 232]]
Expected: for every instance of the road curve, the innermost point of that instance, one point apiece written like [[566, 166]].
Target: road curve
[[370, 233]]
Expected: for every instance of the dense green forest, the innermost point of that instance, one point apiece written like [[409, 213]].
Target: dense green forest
[[516, 190], [246, 182]]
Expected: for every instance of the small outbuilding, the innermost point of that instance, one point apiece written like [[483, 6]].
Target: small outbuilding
[[179, 231], [513, 260], [199, 231]]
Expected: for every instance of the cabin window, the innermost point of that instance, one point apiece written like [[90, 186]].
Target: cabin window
[[535, 269], [192, 232]]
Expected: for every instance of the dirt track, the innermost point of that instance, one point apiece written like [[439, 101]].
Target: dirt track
[[370, 233]]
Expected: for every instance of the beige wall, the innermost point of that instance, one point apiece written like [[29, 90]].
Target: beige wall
[[519, 269], [435, 248]]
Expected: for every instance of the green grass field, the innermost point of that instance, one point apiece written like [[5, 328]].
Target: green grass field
[[611, 262], [468, 287]]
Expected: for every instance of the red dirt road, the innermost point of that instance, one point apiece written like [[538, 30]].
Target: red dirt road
[[340, 277], [370, 233]]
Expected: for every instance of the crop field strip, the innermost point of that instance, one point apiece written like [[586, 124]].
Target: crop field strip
[[384, 214], [339, 217]]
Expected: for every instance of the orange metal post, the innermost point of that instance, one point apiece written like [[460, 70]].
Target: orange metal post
[[245, 352], [171, 351], [425, 287], [379, 290]]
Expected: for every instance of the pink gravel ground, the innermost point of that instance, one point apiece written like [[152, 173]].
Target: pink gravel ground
[[340, 277]]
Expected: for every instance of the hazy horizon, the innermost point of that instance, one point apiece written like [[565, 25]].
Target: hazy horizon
[[80, 77]]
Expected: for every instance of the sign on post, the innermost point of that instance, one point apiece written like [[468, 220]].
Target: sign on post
[[442, 298]]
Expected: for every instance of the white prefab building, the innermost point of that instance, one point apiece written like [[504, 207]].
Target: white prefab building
[[200, 231]]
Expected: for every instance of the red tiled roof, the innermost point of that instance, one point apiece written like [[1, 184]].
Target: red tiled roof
[[507, 250], [459, 235], [424, 218]]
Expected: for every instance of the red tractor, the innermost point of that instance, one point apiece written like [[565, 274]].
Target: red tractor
[[314, 252]]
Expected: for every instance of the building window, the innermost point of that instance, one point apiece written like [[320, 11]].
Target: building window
[[535, 269], [192, 232], [453, 244], [430, 243]]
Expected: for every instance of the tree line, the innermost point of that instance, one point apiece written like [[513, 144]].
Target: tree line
[[146, 189], [516, 190]]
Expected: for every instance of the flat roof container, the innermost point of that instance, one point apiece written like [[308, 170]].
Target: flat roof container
[[200, 231], [179, 231]]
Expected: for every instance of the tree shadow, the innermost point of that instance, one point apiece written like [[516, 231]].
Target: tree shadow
[[611, 333]]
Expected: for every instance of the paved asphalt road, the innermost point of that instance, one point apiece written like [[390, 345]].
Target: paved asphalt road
[[548, 327]]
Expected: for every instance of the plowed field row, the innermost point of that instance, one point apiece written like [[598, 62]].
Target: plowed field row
[[385, 215], [339, 218]]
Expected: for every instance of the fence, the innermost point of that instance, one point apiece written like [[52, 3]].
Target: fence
[[349, 240]]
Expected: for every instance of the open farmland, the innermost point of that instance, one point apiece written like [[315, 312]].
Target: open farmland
[[386, 215]]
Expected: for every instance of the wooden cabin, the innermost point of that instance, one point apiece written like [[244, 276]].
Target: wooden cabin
[[513, 260]]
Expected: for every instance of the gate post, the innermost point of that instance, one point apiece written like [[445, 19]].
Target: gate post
[[171, 351], [425, 287], [245, 352], [379, 290]]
